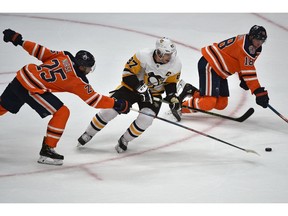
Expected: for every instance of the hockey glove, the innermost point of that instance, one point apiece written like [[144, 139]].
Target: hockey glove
[[121, 106], [12, 36], [243, 84], [145, 94], [174, 105], [262, 98], [173, 100]]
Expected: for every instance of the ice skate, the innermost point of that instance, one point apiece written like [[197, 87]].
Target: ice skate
[[83, 139], [49, 156], [122, 145]]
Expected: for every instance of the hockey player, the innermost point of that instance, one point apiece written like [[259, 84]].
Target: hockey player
[[147, 74], [221, 60], [34, 84]]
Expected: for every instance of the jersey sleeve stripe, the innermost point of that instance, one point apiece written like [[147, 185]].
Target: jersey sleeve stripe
[[34, 50], [97, 101], [42, 53], [38, 51], [94, 100], [88, 101]]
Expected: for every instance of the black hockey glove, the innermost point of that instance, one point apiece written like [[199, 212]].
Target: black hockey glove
[[243, 84], [12, 36], [121, 106], [174, 105], [145, 94], [173, 100], [262, 98]]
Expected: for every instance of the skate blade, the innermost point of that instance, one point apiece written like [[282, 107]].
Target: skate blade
[[79, 145], [50, 161], [119, 150]]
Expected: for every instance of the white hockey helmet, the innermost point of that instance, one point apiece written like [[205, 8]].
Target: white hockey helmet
[[165, 46]]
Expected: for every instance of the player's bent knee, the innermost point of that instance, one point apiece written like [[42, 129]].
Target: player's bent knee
[[207, 103], [64, 112], [2, 110], [221, 103]]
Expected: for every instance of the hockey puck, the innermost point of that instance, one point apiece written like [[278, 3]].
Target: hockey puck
[[268, 149]]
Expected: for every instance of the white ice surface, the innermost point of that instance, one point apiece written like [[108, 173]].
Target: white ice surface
[[167, 164]]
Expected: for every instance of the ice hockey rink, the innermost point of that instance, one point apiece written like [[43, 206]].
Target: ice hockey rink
[[167, 164]]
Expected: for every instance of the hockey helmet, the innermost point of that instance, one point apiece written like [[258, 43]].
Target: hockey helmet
[[165, 46], [85, 58], [258, 32]]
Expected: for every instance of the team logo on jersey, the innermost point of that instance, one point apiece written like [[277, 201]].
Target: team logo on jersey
[[154, 80]]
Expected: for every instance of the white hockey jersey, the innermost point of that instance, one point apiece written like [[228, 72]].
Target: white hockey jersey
[[155, 75]]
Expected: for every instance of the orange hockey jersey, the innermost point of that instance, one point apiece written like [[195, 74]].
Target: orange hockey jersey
[[234, 55], [57, 74]]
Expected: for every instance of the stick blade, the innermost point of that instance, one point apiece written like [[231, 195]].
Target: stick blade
[[252, 151], [246, 115]]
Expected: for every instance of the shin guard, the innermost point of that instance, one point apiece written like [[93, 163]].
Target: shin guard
[[56, 126]]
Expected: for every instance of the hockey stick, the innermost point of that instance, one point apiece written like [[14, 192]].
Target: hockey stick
[[277, 113], [242, 118], [196, 131]]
